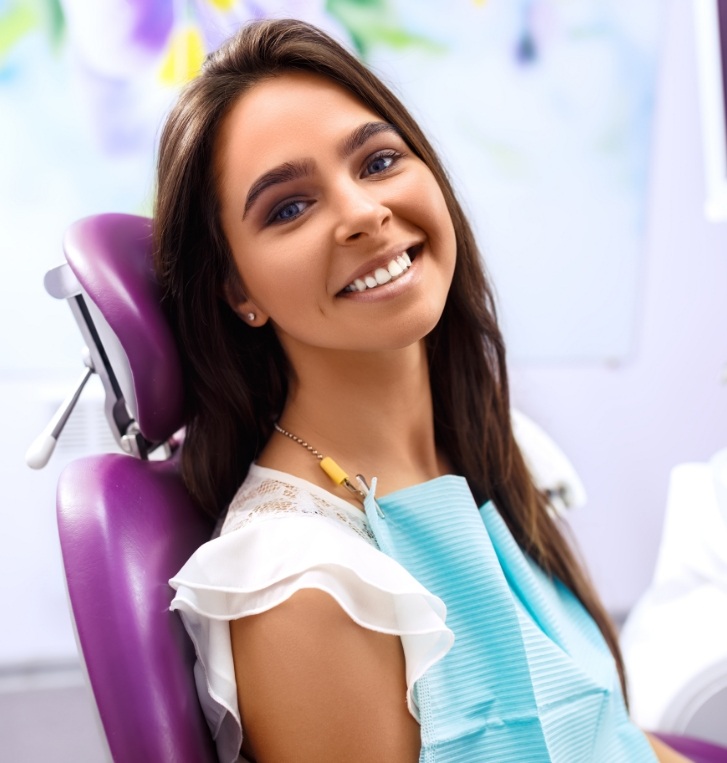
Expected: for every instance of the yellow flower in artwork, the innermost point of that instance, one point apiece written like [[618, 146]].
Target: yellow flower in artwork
[[222, 5], [184, 56]]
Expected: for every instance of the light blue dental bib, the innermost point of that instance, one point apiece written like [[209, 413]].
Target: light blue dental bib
[[529, 677]]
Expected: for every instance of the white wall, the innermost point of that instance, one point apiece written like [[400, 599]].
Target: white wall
[[625, 427]]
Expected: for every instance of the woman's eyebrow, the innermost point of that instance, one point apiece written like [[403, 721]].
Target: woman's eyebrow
[[362, 133], [280, 174]]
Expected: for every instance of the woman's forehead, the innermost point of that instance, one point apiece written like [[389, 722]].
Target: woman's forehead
[[295, 92], [287, 117]]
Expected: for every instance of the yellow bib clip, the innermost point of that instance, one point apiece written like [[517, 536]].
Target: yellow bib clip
[[339, 476]]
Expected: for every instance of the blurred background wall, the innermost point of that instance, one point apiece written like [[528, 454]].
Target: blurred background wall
[[572, 131], [626, 424]]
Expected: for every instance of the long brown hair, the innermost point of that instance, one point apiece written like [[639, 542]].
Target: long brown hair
[[236, 376]]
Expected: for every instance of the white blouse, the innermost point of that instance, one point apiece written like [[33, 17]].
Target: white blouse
[[283, 534]]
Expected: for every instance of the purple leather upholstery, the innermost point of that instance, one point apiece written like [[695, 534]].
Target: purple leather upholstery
[[695, 749], [126, 526], [110, 256]]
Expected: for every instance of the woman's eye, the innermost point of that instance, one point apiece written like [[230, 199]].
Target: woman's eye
[[289, 211], [382, 162]]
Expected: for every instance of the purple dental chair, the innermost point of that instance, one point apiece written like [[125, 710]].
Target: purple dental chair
[[126, 523]]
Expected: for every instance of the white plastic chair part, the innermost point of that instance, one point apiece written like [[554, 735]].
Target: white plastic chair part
[[674, 644], [700, 709], [674, 641], [551, 469], [694, 537], [718, 464], [41, 449], [105, 356]]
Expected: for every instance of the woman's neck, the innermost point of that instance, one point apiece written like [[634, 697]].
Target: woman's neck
[[372, 413]]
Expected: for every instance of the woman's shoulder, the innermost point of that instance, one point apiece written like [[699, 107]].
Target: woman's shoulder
[[268, 494]]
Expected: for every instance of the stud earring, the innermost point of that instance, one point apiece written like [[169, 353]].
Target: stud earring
[[251, 317]]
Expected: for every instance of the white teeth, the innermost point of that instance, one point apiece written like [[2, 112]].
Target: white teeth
[[397, 267], [382, 276]]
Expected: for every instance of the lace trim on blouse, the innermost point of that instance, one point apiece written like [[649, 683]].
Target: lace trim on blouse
[[263, 496]]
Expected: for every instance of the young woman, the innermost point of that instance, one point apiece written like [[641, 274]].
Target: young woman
[[329, 300]]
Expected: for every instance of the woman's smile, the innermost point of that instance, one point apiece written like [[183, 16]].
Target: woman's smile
[[389, 267], [328, 212]]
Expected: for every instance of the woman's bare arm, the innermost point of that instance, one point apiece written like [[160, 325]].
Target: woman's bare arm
[[315, 687]]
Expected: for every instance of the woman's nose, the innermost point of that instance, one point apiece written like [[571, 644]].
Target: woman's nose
[[360, 213]]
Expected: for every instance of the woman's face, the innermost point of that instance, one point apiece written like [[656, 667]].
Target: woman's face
[[340, 234]]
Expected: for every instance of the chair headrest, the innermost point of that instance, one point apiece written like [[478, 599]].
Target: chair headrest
[[111, 257]]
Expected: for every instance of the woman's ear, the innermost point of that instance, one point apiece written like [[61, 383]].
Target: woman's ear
[[244, 307]]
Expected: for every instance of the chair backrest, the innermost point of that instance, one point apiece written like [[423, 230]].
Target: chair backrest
[[126, 524]]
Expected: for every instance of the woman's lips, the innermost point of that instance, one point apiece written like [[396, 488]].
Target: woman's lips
[[389, 271], [389, 289]]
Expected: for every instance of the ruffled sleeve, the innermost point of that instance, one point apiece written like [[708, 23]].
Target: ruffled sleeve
[[264, 562]]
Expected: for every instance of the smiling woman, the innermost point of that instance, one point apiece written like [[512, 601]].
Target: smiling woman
[[329, 300], [333, 196]]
